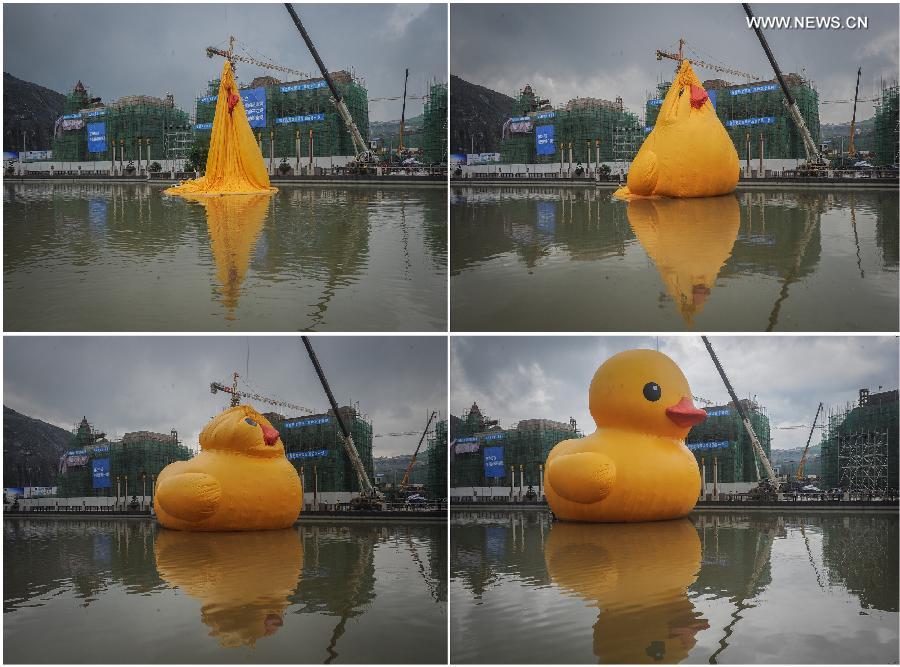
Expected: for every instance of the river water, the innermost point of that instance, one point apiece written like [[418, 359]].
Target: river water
[[122, 591], [126, 257], [556, 259], [760, 588]]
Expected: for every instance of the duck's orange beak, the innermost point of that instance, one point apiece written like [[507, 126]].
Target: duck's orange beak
[[270, 435], [684, 414]]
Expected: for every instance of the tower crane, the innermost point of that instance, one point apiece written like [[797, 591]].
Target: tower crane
[[231, 56], [236, 396], [701, 63], [405, 482]]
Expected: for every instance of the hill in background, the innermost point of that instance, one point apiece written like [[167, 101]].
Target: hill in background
[[31, 450], [30, 108], [477, 115]]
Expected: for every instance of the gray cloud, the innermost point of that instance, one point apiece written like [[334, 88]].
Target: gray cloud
[[513, 378], [607, 50], [158, 383], [140, 49]]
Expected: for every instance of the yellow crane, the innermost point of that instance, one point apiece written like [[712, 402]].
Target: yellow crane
[[851, 150], [799, 474], [405, 482], [678, 57], [232, 57]]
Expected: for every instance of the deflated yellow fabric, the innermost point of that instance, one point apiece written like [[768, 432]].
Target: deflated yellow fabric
[[689, 240], [635, 466], [688, 153], [241, 480], [638, 576], [243, 580], [234, 164]]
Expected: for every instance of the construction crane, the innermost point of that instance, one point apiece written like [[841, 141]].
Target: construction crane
[[814, 159], [369, 498], [405, 482], [231, 56], [851, 149], [403, 113], [364, 155], [808, 440], [771, 480], [236, 396], [679, 57]]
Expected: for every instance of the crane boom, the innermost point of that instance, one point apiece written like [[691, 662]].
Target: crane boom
[[215, 387], [808, 440], [705, 65], [809, 146], [760, 453], [409, 468], [403, 113], [851, 150], [230, 55], [362, 150]]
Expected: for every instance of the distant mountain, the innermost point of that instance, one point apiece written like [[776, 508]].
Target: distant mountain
[[865, 134], [31, 450], [393, 467], [30, 108], [790, 458], [389, 131], [477, 115]]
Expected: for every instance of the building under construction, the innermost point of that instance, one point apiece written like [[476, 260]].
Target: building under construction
[[95, 466], [293, 115], [582, 129], [434, 141], [755, 116], [140, 125], [497, 461], [859, 448], [436, 449], [887, 127], [722, 446], [315, 447]]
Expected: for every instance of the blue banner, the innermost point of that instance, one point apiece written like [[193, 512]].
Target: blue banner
[[98, 112], [304, 86], [713, 96], [720, 412], [713, 444], [493, 462], [494, 436], [543, 137], [96, 133], [209, 98], [655, 103], [519, 119], [768, 120], [755, 89], [545, 115], [71, 116], [309, 421], [254, 100], [100, 473], [312, 454], [309, 118], [470, 438], [203, 126]]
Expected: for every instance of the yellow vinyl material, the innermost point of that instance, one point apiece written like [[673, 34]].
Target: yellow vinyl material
[[240, 480]]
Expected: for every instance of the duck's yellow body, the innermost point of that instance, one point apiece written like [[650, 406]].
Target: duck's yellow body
[[635, 466], [688, 153], [241, 479]]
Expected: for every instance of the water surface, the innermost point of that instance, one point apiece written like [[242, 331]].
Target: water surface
[[107, 591], [716, 588], [555, 259], [126, 257]]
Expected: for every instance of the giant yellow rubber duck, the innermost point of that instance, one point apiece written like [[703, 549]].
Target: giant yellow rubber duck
[[241, 479], [638, 575], [689, 240], [234, 164], [688, 153], [244, 581], [635, 466]]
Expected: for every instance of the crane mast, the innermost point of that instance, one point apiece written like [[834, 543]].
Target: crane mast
[[851, 149], [808, 440], [405, 481], [403, 113]]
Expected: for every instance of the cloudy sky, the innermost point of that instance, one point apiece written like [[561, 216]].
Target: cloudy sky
[[140, 49], [565, 51], [158, 383], [513, 378]]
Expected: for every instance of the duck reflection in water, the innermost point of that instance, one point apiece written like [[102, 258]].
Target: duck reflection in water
[[689, 240], [234, 223], [638, 575], [243, 580]]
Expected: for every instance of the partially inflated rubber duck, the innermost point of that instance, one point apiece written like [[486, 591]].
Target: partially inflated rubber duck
[[243, 580], [689, 240], [688, 153], [635, 466], [241, 480], [638, 576]]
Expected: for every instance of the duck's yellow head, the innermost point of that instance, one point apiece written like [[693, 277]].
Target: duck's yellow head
[[643, 390], [686, 98], [242, 430]]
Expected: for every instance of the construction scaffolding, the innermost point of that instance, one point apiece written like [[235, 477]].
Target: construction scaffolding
[[757, 111], [315, 447], [722, 437], [887, 127], [859, 448], [436, 472], [297, 114], [434, 124]]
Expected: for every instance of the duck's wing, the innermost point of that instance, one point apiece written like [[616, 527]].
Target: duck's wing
[[189, 496], [644, 172], [582, 477]]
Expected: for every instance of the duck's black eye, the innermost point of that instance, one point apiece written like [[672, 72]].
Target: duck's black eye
[[652, 392], [253, 423]]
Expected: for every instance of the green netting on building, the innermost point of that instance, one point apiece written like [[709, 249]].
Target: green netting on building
[[129, 122], [436, 477], [315, 447], [887, 128], [859, 447], [434, 142], [757, 109], [134, 462], [722, 436], [305, 107]]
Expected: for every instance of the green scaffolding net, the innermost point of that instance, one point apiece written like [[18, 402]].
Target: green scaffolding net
[[722, 437], [434, 125], [887, 128]]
